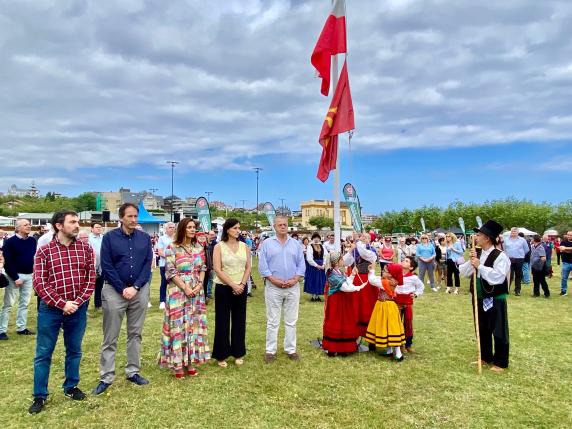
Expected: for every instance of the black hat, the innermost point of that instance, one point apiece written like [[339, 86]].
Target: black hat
[[491, 229]]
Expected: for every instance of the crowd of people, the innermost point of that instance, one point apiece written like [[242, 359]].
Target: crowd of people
[[66, 267]]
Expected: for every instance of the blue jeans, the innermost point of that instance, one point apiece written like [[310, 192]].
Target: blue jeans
[[163, 287], [526, 273], [566, 268], [50, 321]]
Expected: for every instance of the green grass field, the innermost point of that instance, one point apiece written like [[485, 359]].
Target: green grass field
[[434, 387]]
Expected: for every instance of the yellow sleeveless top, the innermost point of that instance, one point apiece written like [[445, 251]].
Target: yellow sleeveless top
[[233, 264]]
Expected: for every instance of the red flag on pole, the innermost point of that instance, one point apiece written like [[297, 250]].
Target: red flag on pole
[[332, 41], [340, 118]]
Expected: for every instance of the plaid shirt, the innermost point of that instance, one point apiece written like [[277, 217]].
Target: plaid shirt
[[64, 273]]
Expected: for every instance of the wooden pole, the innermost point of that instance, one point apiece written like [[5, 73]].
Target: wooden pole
[[476, 313]]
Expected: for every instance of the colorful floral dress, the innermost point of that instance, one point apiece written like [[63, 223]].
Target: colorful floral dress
[[184, 338]]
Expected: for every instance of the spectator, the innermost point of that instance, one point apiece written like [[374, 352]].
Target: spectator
[[566, 256], [526, 262], [281, 264], [231, 262], [19, 251], [516, 248], [126, 256], [538, 267], [426, 254], [64, 278], [386, 252], [95, 238], [454, 255], [164, 241]]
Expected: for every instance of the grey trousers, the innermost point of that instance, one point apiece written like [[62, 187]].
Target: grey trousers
[[429, 268], [276, 300], [114, 308]]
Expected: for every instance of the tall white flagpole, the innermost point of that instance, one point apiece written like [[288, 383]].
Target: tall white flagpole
[[337, 223]]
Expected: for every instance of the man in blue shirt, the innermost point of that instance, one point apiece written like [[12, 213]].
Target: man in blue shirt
[[516, 248], [126, 257], [281, 264]]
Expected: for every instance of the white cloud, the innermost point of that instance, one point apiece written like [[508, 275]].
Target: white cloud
[[111, 83]]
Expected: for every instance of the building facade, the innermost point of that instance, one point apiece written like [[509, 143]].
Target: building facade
[[324, 208]]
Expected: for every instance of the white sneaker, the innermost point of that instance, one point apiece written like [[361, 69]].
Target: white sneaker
[[448, 290], [456, 291], [149, 305], [162, 306], [434, 289]]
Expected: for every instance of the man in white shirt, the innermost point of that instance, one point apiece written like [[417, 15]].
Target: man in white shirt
[[329, 244], [95, 238], [492, 267], [164, 241]]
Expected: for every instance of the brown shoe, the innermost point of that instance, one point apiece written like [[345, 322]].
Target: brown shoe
[[495, 368], [409, 349], [269, 358], [294, 356]]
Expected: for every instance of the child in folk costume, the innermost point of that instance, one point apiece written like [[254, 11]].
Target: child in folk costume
[[385, 329], [404, 294], [340, 311], [360, 257]]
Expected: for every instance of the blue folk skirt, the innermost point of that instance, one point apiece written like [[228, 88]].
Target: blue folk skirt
[[315, 279]]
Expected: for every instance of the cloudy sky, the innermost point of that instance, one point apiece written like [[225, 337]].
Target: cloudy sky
[[453, 100]]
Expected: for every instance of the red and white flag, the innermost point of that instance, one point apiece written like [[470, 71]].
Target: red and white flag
[[332, 41], [339, 119]]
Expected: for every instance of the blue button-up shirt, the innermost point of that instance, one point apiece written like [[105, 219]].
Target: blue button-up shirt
[[282, 261], [516, 247], [126, 259], [425, 250]]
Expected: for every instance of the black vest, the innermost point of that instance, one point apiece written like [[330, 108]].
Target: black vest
[[317, 254], [488, 290]]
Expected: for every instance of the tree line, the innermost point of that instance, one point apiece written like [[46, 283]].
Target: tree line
[[11, 206], [508, 212]]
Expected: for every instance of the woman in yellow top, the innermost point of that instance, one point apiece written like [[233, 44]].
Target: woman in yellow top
[[231, 263]]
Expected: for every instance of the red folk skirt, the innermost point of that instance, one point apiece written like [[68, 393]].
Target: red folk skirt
[[340, 323], [366, 299]]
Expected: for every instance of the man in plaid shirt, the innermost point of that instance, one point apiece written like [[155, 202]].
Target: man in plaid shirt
[[64, 279]]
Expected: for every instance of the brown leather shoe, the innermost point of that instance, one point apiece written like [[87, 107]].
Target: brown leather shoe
[[294, 356], [269, 358]]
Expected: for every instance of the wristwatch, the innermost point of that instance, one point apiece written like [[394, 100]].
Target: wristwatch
[[137, 288]]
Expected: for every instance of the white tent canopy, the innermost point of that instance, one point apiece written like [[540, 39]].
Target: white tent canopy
[[526, 232]]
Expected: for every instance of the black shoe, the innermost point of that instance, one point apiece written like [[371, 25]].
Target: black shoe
[[547, 296], [3, 336], [249, 294], [517, 294], [75, 393], [100, 388], [398, 359], [138, 380], [331, 354], [37, 406], [26, 332], [536, 296], [318, 299], [561, 294]]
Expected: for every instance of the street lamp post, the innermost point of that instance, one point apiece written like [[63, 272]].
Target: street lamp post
[[208, 193], [282, 206], [172, 163], [257, 169]]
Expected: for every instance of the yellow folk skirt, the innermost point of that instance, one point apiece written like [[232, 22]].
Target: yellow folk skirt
[[385, 328]]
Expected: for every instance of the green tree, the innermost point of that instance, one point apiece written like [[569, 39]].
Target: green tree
[[321, 222], [84, 202]]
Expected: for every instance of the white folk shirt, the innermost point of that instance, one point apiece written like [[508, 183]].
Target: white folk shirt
[[493, 275]]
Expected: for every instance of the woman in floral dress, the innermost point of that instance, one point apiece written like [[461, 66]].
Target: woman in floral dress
[[184, 340]]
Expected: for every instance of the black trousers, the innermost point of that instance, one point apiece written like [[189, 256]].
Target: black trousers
[[493, 326], [97, 291], [557, 258], [516, 273], [230, 323], [452, 270], [539, 279]]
